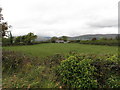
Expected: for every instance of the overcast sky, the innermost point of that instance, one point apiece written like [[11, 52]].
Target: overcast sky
[[61, 17]]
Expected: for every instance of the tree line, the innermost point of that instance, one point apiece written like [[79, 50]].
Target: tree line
[[64, 38], [20, 40]]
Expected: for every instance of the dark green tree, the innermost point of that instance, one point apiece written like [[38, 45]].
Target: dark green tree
[[53, 39], [30, 38], [26, 39], [93, 39], [64, 38], [18, 39]]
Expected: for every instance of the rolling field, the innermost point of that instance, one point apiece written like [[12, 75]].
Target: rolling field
[[42, 50]]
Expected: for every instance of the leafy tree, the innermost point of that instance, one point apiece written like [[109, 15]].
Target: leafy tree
[[26, 39], [64, 38], [30, 37], [77, 41], [53, 39], [18, 39], [93, 39]]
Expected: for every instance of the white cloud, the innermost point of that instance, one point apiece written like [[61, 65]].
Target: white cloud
[[60, 17]]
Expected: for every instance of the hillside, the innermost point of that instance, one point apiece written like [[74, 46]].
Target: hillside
[[41, 38], [90, 36], [82, 37]]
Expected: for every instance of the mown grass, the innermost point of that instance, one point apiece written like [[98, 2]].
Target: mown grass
[[43, 50]]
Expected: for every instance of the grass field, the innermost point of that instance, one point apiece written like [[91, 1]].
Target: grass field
[[42, 50], [26, 71]]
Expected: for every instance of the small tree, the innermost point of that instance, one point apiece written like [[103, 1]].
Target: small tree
[[30, 37], [26, 39], [64, 38], [93, 39], [53, 39], [18, 39]]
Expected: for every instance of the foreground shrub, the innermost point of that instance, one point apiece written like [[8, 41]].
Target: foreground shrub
[[77, 74], [89, 70], [74, 70]]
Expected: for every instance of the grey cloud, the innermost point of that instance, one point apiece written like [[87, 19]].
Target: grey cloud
[[104, 24], [60, 17]]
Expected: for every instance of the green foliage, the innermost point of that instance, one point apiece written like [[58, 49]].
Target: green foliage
[[34, 78], [12, 61], [113, 82], [18, 39], [25, 39], [77, 70], [77, 74], [6, 41], [113, 59], [82, 67], [77, 41], [93, 39], [30, 37], [89, 70], [53, 39], [64, 38], [52, 61]]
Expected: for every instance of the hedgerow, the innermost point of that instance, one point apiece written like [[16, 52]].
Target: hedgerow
[[66, 71], [101, 42]]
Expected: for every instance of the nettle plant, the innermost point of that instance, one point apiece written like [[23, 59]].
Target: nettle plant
[[77, 73]]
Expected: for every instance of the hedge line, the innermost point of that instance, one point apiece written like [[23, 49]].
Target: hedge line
[[102, 42]]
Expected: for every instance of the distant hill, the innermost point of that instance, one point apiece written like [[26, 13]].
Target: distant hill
[[82, 37], [90, 36], [41, 38]]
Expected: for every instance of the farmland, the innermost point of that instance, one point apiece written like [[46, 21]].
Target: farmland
[[58, 65], [43, 50]]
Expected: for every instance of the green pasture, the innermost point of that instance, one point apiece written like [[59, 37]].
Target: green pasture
[[42, 50]]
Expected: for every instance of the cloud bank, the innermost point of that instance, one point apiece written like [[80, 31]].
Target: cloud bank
[[61, 17]]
